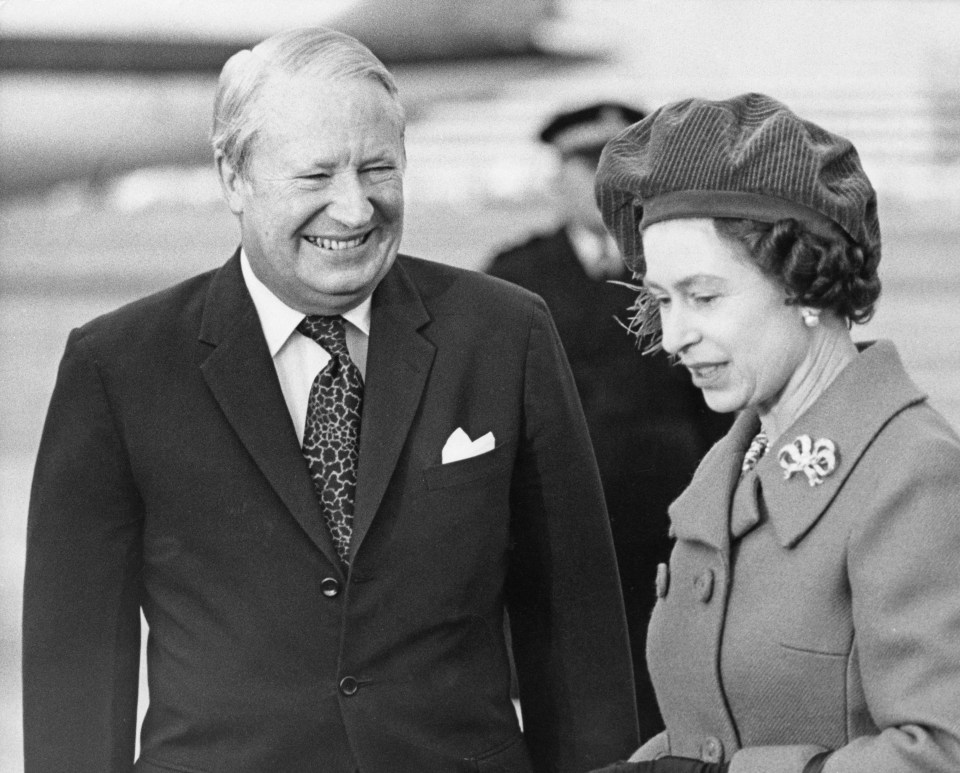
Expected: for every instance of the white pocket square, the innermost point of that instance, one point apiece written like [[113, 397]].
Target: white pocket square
[[460, 446]]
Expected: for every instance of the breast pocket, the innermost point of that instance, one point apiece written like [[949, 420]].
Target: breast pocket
[[476, 468]]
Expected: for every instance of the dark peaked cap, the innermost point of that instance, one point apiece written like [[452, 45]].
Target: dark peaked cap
[[745, 157], [588, 128]]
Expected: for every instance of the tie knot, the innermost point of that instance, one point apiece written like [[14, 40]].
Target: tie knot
[[329, 332]]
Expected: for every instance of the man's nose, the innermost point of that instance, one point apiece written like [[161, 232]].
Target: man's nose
[[349, 204]]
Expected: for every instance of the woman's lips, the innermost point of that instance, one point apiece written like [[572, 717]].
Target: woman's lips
[[705, 373]]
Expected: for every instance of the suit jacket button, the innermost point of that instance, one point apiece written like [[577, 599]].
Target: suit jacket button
[[349, 686], [703, 585], [330, 587]]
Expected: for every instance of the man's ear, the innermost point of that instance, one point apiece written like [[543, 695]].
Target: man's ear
[[231, 182]]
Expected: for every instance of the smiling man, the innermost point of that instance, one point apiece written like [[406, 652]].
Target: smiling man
[[323, 472], [320, 198]]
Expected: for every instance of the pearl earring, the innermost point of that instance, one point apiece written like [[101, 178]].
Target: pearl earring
[[811, 318]]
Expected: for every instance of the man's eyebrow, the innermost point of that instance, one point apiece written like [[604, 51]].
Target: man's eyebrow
[[315, 165]]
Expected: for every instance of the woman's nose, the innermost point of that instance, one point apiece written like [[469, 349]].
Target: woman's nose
[[679, 331]]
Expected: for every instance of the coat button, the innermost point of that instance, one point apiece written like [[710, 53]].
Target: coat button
[[349, 686], [703, 585], [663, 580], [330, 587], [711, 750]]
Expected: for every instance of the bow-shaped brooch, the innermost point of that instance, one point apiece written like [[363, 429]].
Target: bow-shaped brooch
[[815, 459]]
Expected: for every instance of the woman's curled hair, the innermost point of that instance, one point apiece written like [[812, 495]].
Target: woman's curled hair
[[817, 271]]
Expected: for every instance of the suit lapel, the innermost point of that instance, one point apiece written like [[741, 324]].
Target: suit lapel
[[398, 362], [241, 376]]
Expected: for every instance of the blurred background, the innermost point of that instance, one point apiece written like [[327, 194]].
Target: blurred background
[[107, 190]]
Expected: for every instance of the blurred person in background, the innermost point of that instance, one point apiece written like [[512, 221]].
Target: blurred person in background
[[322, 472], [809, 618], [649, 425]]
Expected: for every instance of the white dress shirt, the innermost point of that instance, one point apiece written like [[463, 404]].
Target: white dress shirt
[[299, 359], [598, 254]]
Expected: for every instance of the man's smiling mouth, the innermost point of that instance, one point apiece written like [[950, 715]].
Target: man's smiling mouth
[[336, 244]]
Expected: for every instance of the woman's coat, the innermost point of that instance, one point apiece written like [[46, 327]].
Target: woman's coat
[[794, 617]]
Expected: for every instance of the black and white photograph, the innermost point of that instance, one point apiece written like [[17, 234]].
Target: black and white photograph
[[504, 386]]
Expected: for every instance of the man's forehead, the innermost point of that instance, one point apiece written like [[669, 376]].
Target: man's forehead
[[308, 95], [280, 85], [307, 126]]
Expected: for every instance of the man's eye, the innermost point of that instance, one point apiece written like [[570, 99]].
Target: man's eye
[[379, 172], [315, 178]]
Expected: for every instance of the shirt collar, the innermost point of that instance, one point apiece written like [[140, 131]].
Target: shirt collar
[[588, 244], [280, 320], [598, 255]]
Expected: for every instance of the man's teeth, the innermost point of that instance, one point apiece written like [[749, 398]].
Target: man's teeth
[[335, 244]]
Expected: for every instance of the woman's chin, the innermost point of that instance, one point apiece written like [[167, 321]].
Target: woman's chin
[[721, 402]]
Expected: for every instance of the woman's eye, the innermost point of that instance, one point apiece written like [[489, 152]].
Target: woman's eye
[[659, 302], [704, 299]]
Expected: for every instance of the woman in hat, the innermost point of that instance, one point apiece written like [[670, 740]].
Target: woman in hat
[[809, 619]]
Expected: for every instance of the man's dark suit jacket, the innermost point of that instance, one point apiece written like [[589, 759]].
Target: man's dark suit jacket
[[649, 425], [170, 478]]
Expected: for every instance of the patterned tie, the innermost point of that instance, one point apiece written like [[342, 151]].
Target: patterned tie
[[332, 432]]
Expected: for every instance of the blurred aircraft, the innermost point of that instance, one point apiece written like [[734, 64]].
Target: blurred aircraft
[[177, 36], [92, 88]]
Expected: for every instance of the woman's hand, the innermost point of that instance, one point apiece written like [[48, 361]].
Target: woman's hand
[[688, 765], [666, 765]]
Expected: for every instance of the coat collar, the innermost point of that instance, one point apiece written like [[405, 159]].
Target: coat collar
[[853, 409], [701, 512]]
